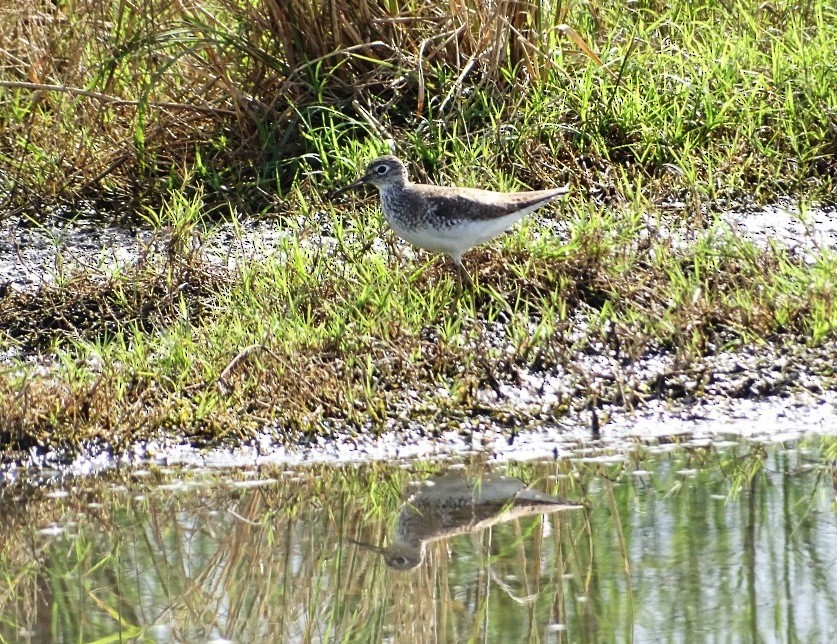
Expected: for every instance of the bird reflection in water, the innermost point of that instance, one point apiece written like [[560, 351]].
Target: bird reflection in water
[[451, 504]]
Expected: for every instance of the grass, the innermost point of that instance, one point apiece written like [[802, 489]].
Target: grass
[[184, 115], [304, 341], [695, 99]]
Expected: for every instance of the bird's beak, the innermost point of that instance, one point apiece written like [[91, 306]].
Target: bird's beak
[[356, 184], [367, 546]]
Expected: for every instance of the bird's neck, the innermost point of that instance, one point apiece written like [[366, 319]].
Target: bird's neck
[[392, 188]]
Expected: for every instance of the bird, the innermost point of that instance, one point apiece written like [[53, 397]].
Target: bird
[[442, 219], [451, 504]]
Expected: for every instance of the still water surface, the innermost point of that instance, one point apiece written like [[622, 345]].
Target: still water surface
[[735, 542]]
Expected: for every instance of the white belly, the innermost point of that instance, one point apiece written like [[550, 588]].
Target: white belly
[[456, 239]]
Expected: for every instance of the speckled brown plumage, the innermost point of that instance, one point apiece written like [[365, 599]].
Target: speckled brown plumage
[[444, 219]]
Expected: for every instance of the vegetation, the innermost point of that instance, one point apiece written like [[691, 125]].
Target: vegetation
[[102, 98], [190, 111]]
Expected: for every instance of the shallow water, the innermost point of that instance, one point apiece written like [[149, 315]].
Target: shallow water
[[736, 541]]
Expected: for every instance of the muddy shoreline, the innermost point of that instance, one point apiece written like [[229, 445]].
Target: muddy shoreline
[[660, 426], [35, 254], [546, 399]]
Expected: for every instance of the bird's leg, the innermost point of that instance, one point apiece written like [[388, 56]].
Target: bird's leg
[[462, 274]]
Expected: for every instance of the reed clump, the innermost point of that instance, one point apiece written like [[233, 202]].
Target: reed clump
[[101, 97], [117, 101]]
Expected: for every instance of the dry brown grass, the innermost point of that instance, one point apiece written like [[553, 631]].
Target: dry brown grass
[[85, 307], [102, 96]]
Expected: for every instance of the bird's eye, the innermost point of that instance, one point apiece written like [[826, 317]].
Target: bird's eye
[[382, 169], [399, 561]]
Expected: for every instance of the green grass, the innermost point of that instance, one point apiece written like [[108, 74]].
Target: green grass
[[329, 334], [704, 104], [701, 100]]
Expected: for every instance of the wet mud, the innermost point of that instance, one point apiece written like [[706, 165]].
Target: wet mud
[[523, 410]]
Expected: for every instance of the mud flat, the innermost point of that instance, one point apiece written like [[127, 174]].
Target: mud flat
[[87, 283]]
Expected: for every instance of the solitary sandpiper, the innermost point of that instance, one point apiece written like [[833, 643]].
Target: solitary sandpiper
[[451, 504], [442, 219]]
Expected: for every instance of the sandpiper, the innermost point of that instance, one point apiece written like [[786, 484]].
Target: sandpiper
[[451, 504], [442, 219]]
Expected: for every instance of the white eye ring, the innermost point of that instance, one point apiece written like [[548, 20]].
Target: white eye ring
[[382, 169]]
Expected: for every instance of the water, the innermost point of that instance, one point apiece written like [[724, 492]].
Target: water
[[731, 542]]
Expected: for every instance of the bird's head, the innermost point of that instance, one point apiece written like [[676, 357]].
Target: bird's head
[[382, 172]]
